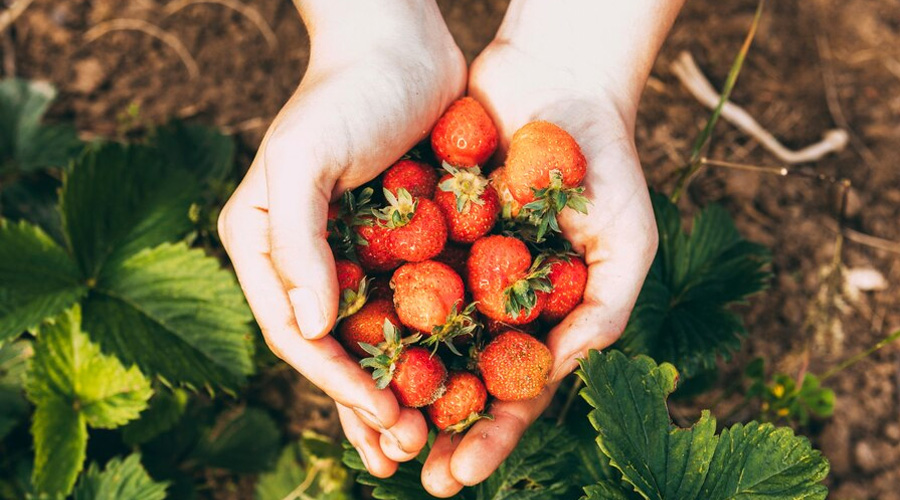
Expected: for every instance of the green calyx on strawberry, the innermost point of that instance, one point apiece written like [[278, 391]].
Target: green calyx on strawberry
[[521, 297], [352, 211], [399, 211], [467, 184], [384, 357], [458, 324], [550, 201], [353, 300]]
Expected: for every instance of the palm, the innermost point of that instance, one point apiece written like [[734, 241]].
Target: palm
[[617, 238]]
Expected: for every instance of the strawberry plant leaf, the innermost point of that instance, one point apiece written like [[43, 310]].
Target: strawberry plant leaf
[[118, 200], [309, 468], [13, 361], [663, 462], [606, 490], [246, 441], [26, 143], [683, 314], [405, 484], [163, 412], [204, 151], [73, 385], [38, 279], [174, 312], [33, 198], [120, 480]]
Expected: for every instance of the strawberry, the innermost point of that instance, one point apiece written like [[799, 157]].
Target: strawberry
[[515, 366], [367, 325], [374, 247], [455, 256], [504, 282], [464, 136], [510, 206], [544, 171], [353, 287], [416, 227], [470, 205], [425, 294], [345, 218], [419, 179], [461, 405], [414, 375], [568, 277]]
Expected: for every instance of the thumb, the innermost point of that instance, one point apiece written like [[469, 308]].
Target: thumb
[[298, 213]]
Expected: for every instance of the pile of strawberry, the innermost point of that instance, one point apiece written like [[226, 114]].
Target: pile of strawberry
[[449, 280]]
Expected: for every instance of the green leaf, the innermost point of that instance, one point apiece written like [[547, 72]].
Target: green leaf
[[120, 480], [309, 469], [13, 363], [118, 200], [246, 441], [73, 385], [37, 278], [34, 198], [683, 314], [607, 490], [163, 412], [203, 151], [174, 312], [405, 484], [539, 468], [25, 142], [664, 462]]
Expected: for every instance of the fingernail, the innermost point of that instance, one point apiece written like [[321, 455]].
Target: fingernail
[[362, 456], [396, 441], [308, 312], [369, 418], [564, 368]]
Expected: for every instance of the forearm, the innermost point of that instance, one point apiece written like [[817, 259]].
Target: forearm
[[610, 42]]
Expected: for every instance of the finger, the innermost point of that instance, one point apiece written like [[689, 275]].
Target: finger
[[436, 476], [365, 440], [299, 190], [487, 443], [324, 362], [404, 440]]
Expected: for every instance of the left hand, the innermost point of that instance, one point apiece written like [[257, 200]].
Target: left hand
[[618, 237]]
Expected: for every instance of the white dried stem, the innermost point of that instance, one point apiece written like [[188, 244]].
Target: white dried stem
[[150, 29], [690, 75], [252, 14]]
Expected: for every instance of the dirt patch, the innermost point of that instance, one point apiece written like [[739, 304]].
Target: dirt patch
[[815, 65]]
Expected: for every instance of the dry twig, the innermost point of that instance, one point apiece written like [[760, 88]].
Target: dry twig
[[247, 11], [9, 16], [150, 29], [690, 75]]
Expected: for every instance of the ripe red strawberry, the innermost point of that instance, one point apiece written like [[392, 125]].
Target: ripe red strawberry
[[544, 171], [418, 377], [375, 255], [455, 256], [515, 366], [568, 279], [419, 179], [414, 375], [425, 294], [510, 207], [504, 282], [416, 227], [470, 205], [367, 326], [461, 405], [464, 136], [353, 287]]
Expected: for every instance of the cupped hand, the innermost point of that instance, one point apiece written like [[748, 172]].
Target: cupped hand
[[375, 84], [617, 237]]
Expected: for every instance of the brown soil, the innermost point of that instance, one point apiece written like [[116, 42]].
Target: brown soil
[[789, 83]]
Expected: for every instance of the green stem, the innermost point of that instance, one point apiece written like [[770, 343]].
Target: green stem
[[573, 393], [694, 164], [860, 356]]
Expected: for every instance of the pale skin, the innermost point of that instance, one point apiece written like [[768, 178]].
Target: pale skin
[[380, 75]]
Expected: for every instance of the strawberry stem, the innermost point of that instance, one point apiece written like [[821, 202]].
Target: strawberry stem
[[550, 201], [521, 296], [399, 211], [458, 324], [467, 184]]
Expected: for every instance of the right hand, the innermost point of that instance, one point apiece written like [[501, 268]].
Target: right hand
[[379, 77]]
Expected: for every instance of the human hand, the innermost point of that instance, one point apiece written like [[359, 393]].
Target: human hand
[[379, 76], [519, 78]]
